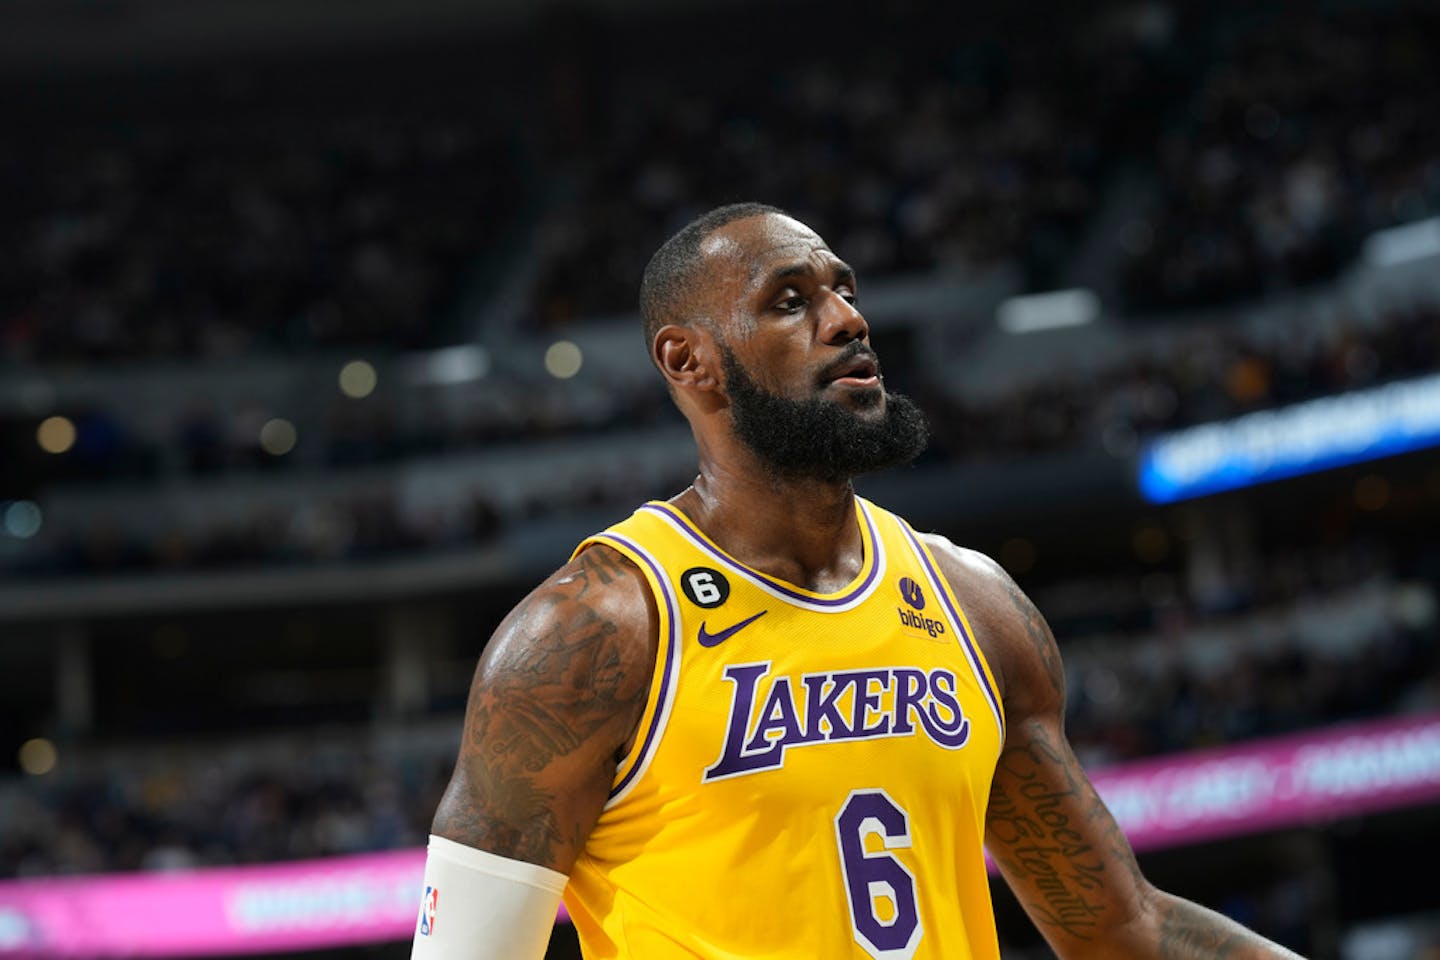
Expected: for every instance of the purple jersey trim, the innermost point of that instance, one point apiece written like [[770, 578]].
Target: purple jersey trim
[[662, 702], [779, 587], [972, 652]]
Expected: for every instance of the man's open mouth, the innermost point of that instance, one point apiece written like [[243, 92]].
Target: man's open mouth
[[862, 372]]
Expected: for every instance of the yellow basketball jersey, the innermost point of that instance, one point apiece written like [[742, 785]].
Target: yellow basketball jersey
[[811, 772]]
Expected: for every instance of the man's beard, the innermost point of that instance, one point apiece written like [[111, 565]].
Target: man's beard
[[822, 439]]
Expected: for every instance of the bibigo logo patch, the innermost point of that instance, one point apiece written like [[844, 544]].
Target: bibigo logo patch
[[914, 597]]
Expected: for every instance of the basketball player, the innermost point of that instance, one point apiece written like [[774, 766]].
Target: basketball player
[[767, 718]]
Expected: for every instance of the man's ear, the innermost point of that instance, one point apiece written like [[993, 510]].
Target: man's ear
[[686, 357]]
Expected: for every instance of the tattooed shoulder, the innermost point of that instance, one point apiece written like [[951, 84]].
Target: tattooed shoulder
[[1037, 632], [554, 702]]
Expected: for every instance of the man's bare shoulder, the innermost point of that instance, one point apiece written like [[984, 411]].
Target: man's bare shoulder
[[554, 704], [590, 628], [600, 582], [981, 585], [963, 559], [1016, 641]]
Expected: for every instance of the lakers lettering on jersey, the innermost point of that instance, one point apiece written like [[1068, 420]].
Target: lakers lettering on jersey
[[811, 772]]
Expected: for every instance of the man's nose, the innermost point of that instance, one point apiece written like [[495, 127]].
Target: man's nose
[[841, 321]]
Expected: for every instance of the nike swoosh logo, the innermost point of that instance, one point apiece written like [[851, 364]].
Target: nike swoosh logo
[[715, 639]]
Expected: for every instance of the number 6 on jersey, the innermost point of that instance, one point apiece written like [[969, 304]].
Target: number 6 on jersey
[[880, 889]]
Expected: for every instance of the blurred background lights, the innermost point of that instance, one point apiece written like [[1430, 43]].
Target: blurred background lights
[[37, 756], [277, 437], [55, 434], [562, 360], [22, 519], [1054, 310], [357, 379], [463, 363]]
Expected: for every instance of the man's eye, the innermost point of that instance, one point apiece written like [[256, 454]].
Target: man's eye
[[791, 304], [849, 296]]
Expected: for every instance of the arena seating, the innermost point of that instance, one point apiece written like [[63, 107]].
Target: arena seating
[[192, 265]]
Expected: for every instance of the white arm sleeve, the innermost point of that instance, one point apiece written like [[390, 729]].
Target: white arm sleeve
[[478, 906]]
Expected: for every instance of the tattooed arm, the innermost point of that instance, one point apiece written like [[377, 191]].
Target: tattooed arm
[[1055, 841], [554, 704]]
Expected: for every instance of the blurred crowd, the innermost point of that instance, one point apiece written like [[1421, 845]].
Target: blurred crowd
[[1340, 641], [1196, 376], [361, 526], [356, 528], [245, 226], [1271, 142], [1248, 151], [916, 151], [196, 436], [1303, 134], [240, 222], [247, 802]]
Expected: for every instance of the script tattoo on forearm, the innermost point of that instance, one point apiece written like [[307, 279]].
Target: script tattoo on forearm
[[1054, 836], [1039, 844], [542, 695]]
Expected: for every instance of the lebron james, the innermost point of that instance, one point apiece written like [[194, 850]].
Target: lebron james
[[765, 717]]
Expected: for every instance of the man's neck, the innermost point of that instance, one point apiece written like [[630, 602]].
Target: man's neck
[[802, 531]]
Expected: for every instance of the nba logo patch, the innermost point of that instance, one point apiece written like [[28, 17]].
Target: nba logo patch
[[427, 911]]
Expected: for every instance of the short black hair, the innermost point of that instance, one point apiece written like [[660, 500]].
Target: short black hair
[[671, 270]]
